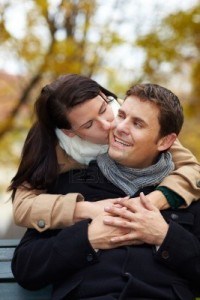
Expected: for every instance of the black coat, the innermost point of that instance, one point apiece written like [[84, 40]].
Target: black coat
[[66, 258]]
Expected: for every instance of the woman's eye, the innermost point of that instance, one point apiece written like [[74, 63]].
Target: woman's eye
[[103, 110], [88, 125]]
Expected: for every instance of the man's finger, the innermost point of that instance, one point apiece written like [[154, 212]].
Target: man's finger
[[122, 212]]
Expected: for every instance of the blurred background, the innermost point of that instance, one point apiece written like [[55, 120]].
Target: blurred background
[[116, 42]]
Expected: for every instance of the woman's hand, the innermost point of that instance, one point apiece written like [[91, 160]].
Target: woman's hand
[[158, 199], [90, 210]]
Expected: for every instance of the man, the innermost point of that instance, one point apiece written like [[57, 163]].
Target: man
[[134, 253]]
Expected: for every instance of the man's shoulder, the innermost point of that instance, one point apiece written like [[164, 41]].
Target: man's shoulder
[[188, 216]]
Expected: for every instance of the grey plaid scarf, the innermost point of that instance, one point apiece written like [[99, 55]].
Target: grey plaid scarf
[[130, 180]]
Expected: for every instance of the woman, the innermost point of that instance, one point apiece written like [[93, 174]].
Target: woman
[[72, 111]]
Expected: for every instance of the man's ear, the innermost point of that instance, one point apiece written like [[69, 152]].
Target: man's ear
[[68, 132], [166, 142]]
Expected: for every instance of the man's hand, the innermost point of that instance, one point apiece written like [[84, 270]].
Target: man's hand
[[144, 220], [100, 234]]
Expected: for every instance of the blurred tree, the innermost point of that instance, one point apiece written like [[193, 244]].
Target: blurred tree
[[172, 58], [46, 38], [173, 50], [58, 38], [51, 37]]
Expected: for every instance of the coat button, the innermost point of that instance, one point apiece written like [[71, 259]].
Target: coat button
[[41, 223], [127, 274], [89, 257], [174, 216], [165, 254], [198, 183]]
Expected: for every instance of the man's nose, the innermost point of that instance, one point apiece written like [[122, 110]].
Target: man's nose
[[122, 126]]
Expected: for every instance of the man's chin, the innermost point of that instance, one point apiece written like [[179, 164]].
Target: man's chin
[[115, 154]]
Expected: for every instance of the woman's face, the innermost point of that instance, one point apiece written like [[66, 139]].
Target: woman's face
[[91, 120]]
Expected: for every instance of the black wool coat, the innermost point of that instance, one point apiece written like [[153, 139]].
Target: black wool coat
[[66, 259]]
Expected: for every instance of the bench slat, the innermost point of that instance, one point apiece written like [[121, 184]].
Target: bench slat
[[8, 243], [6, 254], [9, 289], [12, 291], [5, 271]]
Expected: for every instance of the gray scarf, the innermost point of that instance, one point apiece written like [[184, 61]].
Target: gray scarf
[[130, 180]]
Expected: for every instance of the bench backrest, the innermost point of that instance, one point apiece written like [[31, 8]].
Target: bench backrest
[[9, 289]]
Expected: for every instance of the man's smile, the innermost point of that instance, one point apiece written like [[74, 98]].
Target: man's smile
[[118, 140]]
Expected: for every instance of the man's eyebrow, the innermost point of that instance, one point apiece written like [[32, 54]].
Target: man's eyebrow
[[137, 119]]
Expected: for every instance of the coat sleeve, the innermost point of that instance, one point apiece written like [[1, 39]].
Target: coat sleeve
[[180, 249], [35, 209], [185, 179], [44, 258]]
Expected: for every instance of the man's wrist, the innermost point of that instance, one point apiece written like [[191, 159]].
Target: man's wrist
[[162, 236]]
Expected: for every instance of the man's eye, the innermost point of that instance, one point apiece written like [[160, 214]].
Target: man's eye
[[138, 124], [120, 116]]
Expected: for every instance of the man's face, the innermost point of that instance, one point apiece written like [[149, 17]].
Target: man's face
[[134, 138]]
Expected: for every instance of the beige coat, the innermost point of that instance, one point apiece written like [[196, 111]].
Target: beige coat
[[42, 211]]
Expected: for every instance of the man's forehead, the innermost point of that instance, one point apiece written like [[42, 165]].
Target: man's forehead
[[129, 104], [135, 107], [130, 101]]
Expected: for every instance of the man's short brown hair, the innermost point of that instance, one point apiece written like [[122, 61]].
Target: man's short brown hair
[[171, 112]]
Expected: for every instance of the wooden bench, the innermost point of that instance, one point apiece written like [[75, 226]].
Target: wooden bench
[[9, 289]]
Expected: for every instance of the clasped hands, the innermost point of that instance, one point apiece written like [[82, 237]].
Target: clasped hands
[[127, 222]]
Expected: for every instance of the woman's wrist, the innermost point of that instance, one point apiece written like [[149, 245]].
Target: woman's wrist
[[82, 211], [158, 199], [174, 200]]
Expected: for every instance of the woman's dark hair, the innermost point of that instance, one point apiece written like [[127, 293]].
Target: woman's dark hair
[[39, 165]]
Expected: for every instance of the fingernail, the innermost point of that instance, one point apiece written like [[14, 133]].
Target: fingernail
[[106, 219], [119, 199], [124, 208], [107, 208]]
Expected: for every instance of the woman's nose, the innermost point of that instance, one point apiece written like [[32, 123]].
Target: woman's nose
[[105, 124], [113, 124]]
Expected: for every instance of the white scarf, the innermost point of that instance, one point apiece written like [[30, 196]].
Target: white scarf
[[81, 150]]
